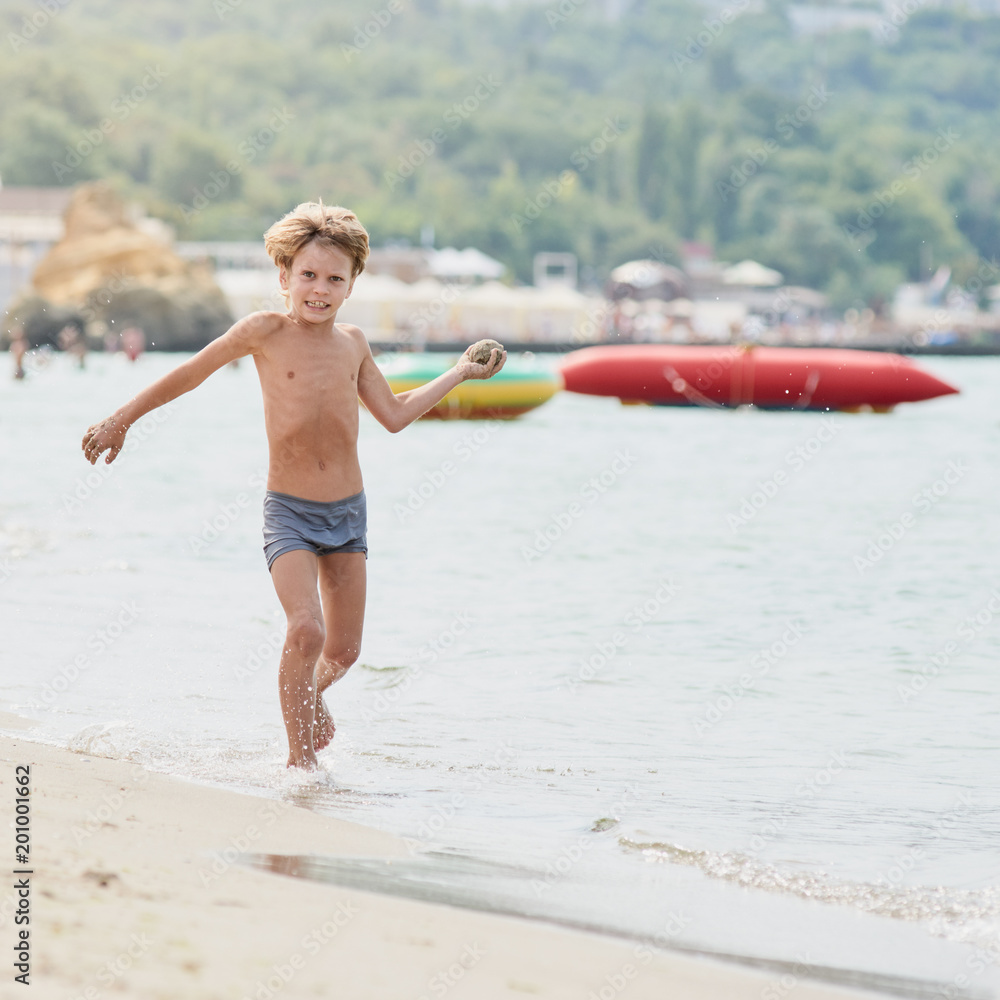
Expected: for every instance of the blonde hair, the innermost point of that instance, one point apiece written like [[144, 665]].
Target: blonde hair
[[327, 225]]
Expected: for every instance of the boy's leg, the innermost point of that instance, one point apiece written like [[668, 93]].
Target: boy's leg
[[294, 577], [342, 586]]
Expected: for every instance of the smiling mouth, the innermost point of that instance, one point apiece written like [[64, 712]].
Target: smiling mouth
[[317, 305]]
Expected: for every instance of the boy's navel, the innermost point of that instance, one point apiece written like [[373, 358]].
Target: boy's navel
[[322, 466]]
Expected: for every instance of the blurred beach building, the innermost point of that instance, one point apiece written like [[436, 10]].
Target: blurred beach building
[[420, 295], [31, 223]]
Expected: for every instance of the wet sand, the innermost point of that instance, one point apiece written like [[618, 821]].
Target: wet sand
[[136, 891]]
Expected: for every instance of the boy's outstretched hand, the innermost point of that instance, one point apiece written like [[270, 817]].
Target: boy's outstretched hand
[[108, 434], [472, 369]]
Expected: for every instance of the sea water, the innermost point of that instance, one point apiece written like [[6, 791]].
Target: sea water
[[723, 681]]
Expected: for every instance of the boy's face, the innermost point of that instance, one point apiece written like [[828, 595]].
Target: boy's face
[[318, 282]]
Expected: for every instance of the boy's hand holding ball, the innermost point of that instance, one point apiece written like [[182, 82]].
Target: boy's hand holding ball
[[487, 357]]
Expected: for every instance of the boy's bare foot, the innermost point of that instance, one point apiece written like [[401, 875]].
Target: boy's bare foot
[[307, 761], [323, 729]]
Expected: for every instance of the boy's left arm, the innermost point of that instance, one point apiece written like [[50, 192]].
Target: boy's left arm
[[394, 412]]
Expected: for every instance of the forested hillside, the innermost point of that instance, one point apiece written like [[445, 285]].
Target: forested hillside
[[849, 162]]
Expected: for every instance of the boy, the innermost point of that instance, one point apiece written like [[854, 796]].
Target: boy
[[312, 373]]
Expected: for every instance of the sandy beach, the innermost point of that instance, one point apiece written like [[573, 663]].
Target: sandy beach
[[134, 893]]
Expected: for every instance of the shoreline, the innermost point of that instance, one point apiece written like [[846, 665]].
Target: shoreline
[[136, 891]]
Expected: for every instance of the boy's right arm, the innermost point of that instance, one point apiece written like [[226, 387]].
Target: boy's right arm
[[243, 338]]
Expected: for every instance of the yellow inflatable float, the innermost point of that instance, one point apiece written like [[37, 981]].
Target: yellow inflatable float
[[522, 385]]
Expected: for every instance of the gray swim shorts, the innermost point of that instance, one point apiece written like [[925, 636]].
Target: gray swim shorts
[[319, 526]]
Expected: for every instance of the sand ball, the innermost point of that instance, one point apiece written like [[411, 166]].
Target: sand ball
[[480, 351]]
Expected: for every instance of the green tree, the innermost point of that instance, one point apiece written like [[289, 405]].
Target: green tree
[[653, 162], [193, 168]]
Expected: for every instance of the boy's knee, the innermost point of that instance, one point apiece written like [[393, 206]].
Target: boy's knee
[[341, 656], [306, 636]]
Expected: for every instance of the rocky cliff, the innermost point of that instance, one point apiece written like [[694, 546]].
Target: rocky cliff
[[107, 273]]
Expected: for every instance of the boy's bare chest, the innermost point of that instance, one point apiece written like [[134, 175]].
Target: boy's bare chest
[[296, 369]]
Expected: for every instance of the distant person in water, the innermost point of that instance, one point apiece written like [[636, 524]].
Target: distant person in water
[[133, 342], [18, 349], [70, 339], [312, 373]]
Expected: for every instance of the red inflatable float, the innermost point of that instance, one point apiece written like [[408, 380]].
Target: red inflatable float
[[786, 378]]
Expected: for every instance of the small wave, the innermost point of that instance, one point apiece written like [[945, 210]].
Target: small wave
[[604, 823], [115, 740], [385, 677], [966, 915], [20, 540]]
